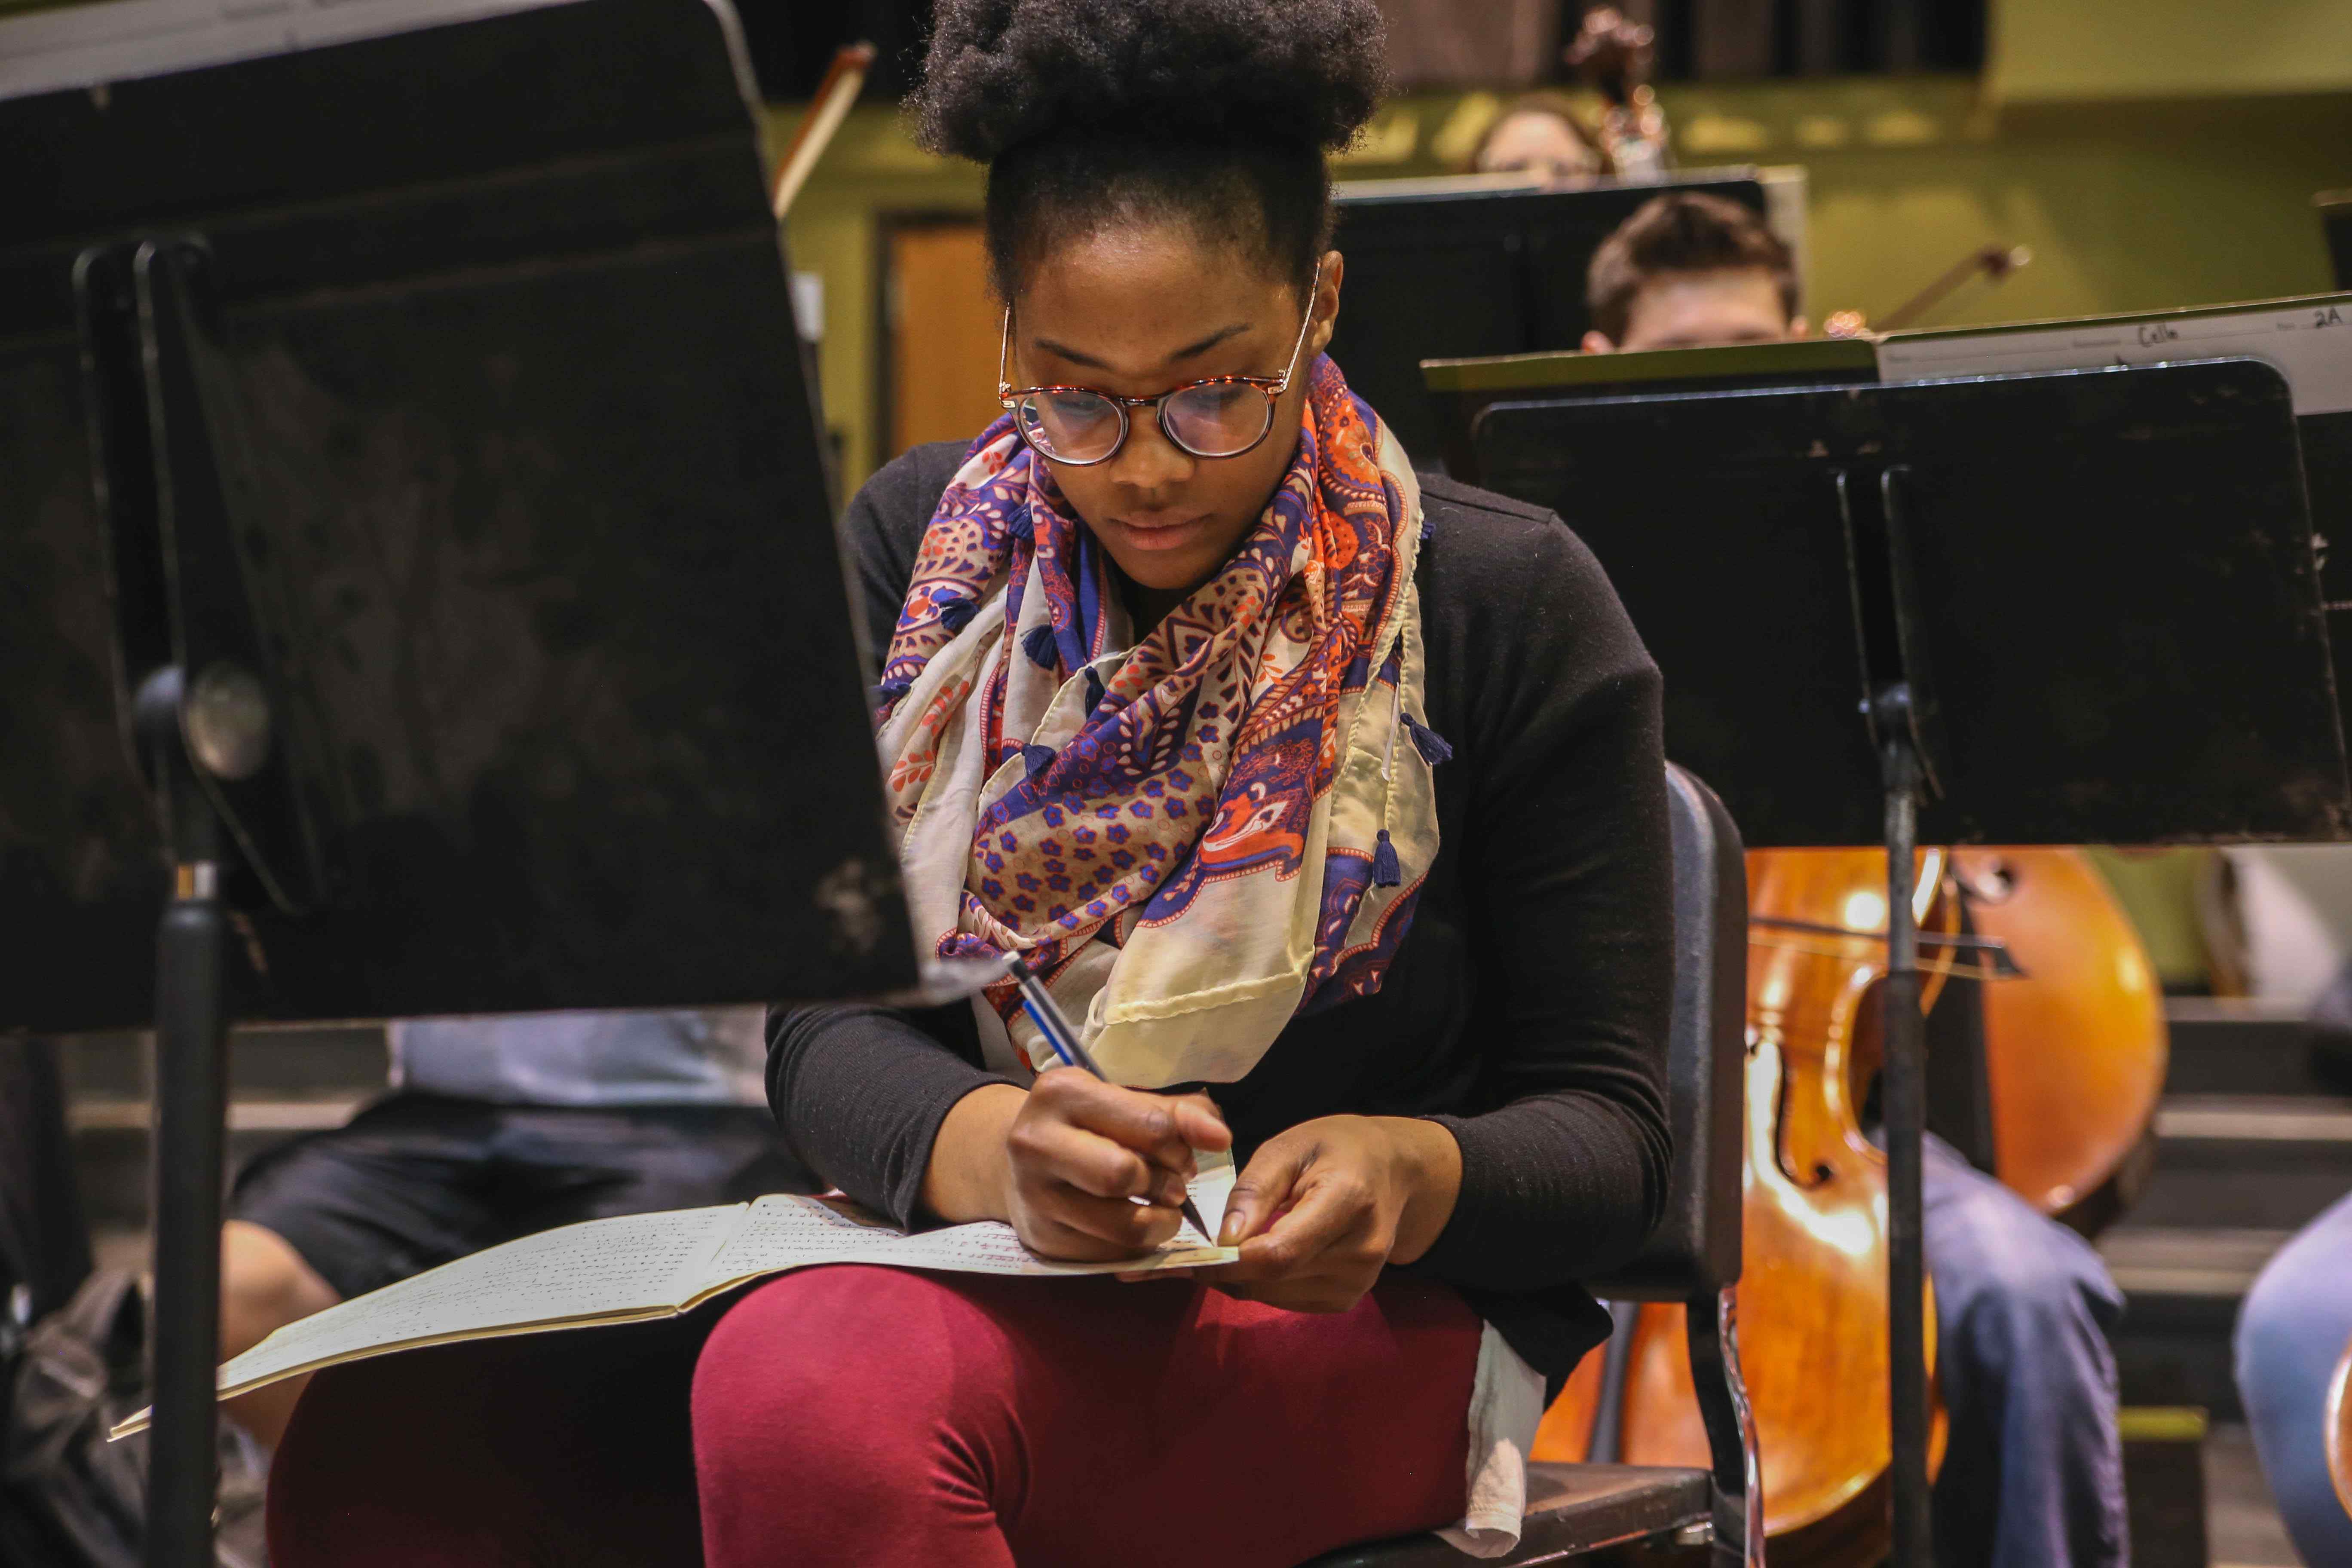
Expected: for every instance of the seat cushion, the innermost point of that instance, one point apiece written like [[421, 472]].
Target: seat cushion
[[1570, 1509]]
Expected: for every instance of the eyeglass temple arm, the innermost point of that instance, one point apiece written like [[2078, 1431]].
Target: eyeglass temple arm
[[1313, 290]]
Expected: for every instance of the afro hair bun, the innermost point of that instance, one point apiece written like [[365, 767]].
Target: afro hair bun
[[1004, 72]]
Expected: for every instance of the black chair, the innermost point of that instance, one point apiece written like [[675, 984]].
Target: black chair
[[1693, 1257]]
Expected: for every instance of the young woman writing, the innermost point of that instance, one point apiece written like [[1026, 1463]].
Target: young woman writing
[[1330, 803]]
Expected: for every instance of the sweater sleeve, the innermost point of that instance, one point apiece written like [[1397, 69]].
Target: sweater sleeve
[[859, 1092], [1567, 874]]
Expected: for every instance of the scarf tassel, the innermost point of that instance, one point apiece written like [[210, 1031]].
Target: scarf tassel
[[1037, 759], [892, 690], [955, 614], [1037, 642], [1432, 745], [1386, 872]]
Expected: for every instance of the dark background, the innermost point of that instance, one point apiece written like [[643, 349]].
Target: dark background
[[1699, 40]]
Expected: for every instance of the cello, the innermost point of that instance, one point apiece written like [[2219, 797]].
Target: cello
[[2075, 1052], [1813, 1295], [2070, 1129]]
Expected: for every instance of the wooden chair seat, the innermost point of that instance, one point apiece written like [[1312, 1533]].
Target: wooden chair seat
[[1571, 1509]]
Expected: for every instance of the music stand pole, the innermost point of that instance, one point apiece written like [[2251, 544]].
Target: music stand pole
[[191, 1099], [1903, 1107]]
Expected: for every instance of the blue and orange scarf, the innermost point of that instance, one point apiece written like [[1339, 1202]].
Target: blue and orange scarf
[[1135, 815]]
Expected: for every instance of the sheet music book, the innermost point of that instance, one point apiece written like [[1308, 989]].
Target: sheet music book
[[2309, 339], [637, 1267], [92, 45]]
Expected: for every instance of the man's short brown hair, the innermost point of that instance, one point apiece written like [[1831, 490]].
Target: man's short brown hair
[[1682, 232]]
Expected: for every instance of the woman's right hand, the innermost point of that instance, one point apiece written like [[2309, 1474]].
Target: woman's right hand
[[1064, 1161]]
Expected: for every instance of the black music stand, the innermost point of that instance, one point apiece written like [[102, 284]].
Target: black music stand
[[1440, 267], [457, 623], [2079, 607]]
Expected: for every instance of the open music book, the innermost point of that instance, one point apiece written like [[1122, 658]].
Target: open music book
[[636, 1268]]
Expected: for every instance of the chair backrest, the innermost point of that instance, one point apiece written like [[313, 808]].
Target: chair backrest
[[1695, 1250]]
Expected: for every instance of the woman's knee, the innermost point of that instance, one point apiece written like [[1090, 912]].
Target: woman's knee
[[836, 1406], [2024, 1288], [830, 1368]]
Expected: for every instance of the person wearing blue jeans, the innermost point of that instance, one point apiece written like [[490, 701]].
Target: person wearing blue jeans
[[2291, 1332], [2034, 1467]]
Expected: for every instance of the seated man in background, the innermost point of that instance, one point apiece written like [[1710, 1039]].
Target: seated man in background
[[496, 1128], [1691, 271], [2032, 1471]]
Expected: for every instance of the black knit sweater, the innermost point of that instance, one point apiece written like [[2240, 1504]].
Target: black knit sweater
[[1526, 1009]]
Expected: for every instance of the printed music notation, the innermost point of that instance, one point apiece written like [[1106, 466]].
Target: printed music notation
[[2300, 336], [634, 1267]]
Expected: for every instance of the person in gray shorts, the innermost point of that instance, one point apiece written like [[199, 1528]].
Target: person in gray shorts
[[496, 1128]]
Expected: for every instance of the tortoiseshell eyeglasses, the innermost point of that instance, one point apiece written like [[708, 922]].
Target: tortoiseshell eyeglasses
[[1216, 417]]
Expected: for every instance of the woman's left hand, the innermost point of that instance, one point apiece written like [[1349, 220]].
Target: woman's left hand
[[1323, 1207]]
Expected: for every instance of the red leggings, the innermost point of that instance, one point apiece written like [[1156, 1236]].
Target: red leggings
[[887, 1418]]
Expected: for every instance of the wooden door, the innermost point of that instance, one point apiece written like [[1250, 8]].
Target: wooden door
[[941, 330]]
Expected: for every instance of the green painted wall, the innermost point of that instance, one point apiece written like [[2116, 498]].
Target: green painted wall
[[2069, 50], [870, 170], [2127, 204]]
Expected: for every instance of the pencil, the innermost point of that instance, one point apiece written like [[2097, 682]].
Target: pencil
[[1047, 1015]]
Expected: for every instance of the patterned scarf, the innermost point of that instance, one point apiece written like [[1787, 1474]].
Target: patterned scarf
[[1135, 815]]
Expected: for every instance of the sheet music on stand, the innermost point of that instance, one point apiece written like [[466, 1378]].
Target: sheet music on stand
[[419, 591], [2305, 338], [90, 45], [2308, 341]]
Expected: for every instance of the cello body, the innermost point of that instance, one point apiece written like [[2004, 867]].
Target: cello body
[[2075, 1052], [2075, 1064], [1813, 1295]]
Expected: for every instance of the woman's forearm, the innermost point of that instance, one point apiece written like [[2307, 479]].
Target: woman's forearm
[[966, 1179], [1555, 1187]]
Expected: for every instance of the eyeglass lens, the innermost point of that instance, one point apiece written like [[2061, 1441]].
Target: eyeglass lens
[[1219, 420]]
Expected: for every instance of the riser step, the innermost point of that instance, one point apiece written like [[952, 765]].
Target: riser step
[[345, 1059], [2234, 1045], [2175, 1349], [2236, 1193], [2312, 1123], [311, 1115], [111, 1165], [2148, 1261], [2318, 1120]]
